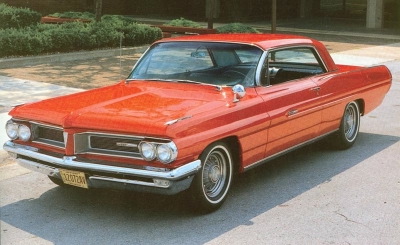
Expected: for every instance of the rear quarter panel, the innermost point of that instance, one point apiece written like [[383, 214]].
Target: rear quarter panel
[[351, 83], [377, 81]]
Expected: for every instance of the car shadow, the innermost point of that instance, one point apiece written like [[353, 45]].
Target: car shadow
[[71, 215]]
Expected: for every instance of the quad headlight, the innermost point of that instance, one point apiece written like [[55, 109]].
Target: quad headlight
[[12, 130], [148, 151], [18, 131], [24, 132], [164, 152]]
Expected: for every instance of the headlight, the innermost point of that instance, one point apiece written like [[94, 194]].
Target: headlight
[[12, 130], [166, 153], [148, 151], [24, 132]]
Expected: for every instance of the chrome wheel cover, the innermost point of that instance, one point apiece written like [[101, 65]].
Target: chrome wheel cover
[[214, 174], [351, 118]]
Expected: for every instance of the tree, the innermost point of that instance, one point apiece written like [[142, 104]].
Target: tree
[[98, 9], [212, 11]]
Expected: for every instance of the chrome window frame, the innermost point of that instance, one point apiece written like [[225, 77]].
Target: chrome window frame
[[265, 55]]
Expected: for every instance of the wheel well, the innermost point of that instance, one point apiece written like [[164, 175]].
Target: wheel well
[[361, 105], [236, 151]]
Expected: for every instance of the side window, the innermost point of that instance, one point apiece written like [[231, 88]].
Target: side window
[[292, 63]]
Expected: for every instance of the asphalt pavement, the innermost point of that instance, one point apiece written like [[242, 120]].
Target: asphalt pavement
[[312, 196]]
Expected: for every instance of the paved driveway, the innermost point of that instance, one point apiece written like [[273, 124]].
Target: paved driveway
[[312, 196]]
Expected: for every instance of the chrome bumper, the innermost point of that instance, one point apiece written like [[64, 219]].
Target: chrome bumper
[[169, 182]]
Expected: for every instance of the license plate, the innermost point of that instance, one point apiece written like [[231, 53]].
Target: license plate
[[74, 178]]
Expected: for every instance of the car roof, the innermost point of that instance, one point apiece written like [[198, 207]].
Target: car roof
[[264, 41]]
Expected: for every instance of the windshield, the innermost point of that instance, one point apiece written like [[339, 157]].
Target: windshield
[[211, 63]]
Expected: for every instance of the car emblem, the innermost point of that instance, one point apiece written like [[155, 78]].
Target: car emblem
[[123, 144], [177, 120]]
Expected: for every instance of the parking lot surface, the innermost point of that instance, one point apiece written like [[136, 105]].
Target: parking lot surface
[[314, 195]]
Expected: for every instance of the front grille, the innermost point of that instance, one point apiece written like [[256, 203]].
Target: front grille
[[114, 144], [97, 143], [48, 135], [107, 144]]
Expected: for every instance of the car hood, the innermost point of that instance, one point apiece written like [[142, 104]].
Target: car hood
[[142, 107]]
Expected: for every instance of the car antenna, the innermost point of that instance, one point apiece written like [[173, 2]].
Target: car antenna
[[120, 56]]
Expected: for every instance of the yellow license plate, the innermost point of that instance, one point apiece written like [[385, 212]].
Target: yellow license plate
[[74, 178]]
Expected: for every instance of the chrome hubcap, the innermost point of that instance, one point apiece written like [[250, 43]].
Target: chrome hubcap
[[214, 174], [350, 123]]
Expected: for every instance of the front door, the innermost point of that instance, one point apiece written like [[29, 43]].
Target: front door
[[291, 97]]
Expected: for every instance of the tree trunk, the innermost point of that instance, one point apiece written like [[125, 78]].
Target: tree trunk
[[273, 16], [98, 9], [212, 12]]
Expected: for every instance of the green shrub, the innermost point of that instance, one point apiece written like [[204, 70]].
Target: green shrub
[[236, 28], [118, 19], [74, 15], [11, 17], [183, 22], [20, 40], [104, 35], [17, 42], [139, 34], [68, 37], [73, 36]]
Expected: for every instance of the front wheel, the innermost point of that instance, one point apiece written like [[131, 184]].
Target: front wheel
[[212, 183], [349, 127]]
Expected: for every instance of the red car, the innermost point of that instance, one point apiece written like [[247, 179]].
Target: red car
[[194, 111]]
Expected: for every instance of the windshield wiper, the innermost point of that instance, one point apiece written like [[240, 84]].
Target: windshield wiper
[[219, 88]]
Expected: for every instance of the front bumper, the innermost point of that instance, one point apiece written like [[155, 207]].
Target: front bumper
[[106, 176]]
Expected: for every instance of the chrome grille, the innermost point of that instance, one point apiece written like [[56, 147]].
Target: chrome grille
[[107, 144], [114, 144], [48, 135]]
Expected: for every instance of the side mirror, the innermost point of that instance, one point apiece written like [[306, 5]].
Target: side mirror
[[198, 54], [239, 92]]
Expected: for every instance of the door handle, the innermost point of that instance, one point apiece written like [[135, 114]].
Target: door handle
[[292, 112], [316, 89]]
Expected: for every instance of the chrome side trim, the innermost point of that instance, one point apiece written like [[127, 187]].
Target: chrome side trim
[[70, 162], [276, 155]]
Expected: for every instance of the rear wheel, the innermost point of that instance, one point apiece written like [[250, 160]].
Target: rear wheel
[[349, 127], [212, 183]]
